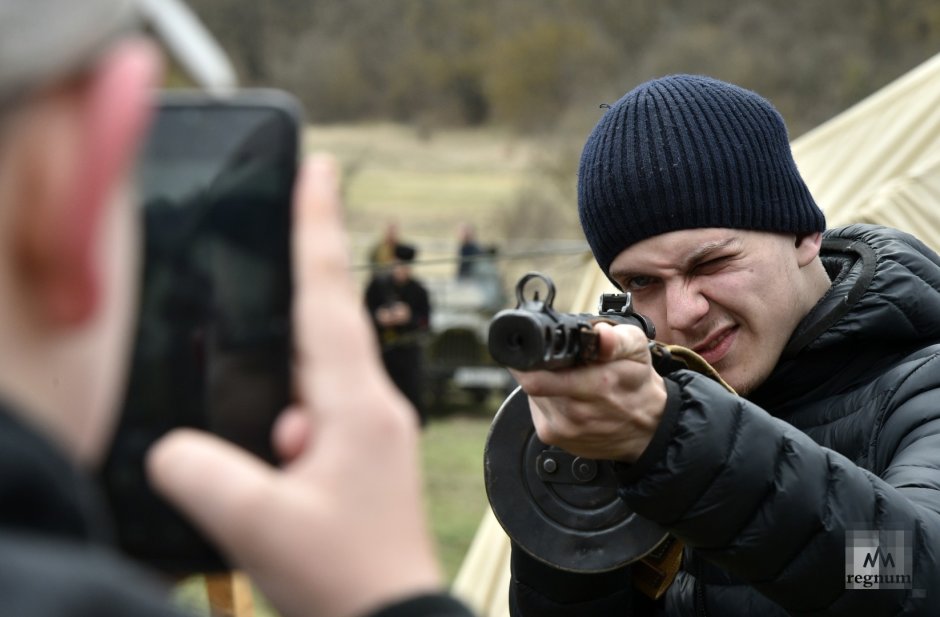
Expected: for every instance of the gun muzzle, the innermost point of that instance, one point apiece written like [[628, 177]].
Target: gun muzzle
[[527, 341]]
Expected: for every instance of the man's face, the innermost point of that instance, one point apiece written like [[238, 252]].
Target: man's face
[[732, 296], [401, 272]]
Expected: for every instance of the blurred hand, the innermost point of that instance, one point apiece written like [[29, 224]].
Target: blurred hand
[[340, 529], [401, 313], [609, 409], [384, 316], [395, 314]]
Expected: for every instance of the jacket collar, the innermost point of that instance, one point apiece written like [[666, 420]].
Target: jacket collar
[[41, 492], [883, 303], [851, 266]]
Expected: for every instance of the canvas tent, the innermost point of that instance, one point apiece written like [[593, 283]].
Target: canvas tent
[[877, 162]]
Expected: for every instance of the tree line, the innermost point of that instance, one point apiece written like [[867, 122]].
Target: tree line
[[532, 64]]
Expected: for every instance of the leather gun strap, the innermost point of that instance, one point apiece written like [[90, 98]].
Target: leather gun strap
[[653, 574], [667, 358]]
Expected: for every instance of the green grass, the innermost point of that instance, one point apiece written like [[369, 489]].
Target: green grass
[[452, 452]]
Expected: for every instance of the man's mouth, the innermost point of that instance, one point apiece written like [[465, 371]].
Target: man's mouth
[[716, 346]]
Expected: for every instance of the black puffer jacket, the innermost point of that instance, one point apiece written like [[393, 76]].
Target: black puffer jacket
[[843, 437]]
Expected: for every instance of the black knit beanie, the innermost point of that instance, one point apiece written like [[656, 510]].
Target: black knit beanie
[[685, 152]]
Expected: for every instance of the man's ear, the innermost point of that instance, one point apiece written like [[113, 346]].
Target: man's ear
[[83, 141], [807, 247]]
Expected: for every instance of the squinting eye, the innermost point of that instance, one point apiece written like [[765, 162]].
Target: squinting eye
[[710, 266]]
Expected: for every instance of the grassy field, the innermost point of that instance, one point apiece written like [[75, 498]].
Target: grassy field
[[452, 453], [427, 184], [518, 192]]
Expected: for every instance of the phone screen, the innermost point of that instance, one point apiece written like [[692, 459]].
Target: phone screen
[[212, 347]]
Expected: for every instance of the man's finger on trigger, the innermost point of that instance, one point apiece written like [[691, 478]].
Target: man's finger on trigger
[[621, 342]]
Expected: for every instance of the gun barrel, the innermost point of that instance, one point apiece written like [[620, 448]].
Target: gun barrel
[[533, 336], [529, 341]]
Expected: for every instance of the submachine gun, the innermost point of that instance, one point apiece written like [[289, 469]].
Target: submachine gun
[[562, 509]]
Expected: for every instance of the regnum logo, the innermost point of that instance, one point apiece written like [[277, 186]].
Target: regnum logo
[[878, 559]]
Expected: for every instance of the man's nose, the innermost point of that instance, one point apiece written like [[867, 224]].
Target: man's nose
[[686, 305]]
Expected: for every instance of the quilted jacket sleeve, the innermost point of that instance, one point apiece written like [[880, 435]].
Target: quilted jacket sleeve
[[766, 503]]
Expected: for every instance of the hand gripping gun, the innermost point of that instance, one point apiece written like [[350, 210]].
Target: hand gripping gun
[[562, 509]]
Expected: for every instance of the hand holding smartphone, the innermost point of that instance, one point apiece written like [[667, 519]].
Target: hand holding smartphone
[[339, 529], [213, 341]]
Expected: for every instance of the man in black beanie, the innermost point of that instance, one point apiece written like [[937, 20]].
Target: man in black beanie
[[814, 488]]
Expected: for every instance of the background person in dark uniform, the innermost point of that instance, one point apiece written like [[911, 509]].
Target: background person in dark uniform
[[401, 312], [468, 251]]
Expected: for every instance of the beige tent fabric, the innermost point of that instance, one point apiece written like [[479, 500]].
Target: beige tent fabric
[[862, 165], [483, 579], [877, 162], [910, 202]]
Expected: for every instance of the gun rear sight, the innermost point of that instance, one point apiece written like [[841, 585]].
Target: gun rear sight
[[533, 336]]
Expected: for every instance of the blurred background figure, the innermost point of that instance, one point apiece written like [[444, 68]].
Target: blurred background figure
[[467, 250], [383, 252], [401, 311]]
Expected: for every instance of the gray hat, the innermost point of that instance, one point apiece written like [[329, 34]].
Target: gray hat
[[43, 40]]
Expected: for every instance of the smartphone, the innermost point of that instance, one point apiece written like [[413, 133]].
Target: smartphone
[[213, 344]]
